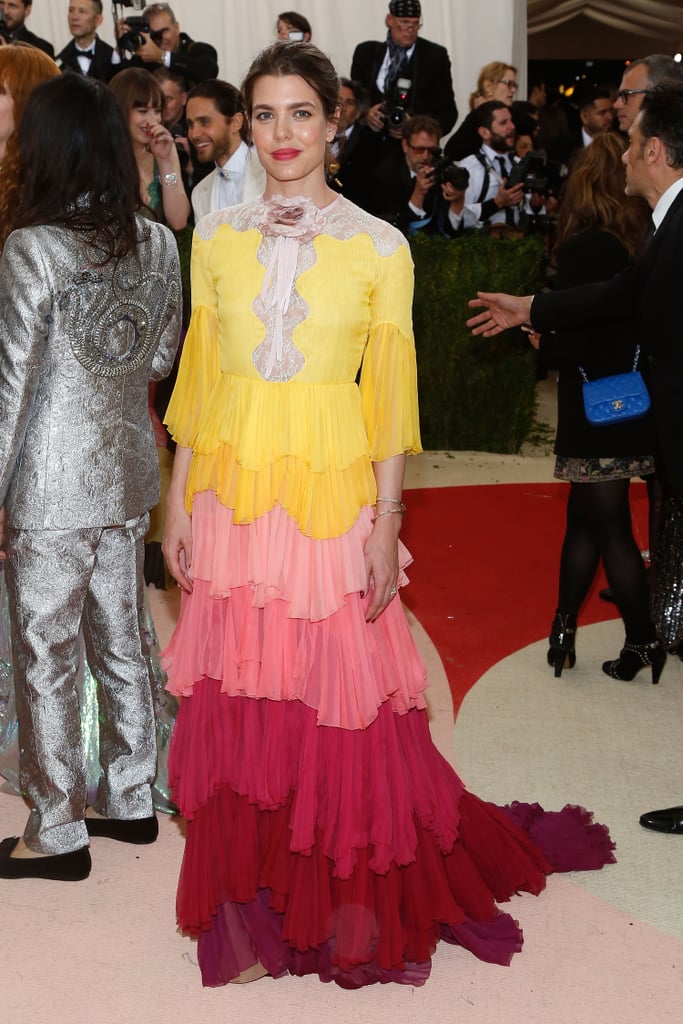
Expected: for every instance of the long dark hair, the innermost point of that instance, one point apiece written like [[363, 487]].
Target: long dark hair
[[77, 164]]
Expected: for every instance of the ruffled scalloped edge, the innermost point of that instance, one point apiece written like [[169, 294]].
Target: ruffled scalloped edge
[[272, 556]]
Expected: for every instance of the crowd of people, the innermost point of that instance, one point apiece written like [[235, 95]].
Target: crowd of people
[[325, 834]]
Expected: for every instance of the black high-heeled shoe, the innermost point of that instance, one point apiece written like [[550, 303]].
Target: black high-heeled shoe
[[561, 653], [633, 657]]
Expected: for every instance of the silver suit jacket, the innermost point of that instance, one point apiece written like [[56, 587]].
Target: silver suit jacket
[[78, 345]]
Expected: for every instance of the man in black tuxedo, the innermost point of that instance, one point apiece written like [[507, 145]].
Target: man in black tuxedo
[[354, 149], [15, 13], [594, 106], [404, 55], [650, 292], [87, 54]]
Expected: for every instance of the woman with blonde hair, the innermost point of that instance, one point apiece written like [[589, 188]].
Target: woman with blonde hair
[[600, 231], [497, 81], [22, 68]]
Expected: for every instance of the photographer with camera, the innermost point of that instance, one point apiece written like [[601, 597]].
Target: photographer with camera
[[154, 40], [405, 75], [87, 54], [492, 196], [13, 15], [401, 188]]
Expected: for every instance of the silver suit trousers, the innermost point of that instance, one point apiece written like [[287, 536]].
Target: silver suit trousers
[[60, 581]]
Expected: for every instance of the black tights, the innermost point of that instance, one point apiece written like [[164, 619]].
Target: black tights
[[599, 526]]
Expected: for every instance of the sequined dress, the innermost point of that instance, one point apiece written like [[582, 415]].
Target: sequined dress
[[325, 833]]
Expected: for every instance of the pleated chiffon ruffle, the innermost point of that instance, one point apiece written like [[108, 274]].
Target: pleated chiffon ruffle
[[278, 615], [346, 853]]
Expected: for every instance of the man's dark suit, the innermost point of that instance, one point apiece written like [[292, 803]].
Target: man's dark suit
[[194, 61], [22, 35], [390, 187], [101, 66], [651, 293], [429, 70], [360, 153]]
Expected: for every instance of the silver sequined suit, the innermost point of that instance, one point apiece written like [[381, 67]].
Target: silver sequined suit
[[78, 474]]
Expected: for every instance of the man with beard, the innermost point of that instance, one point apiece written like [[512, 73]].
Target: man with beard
[[217, 131], [488, 200], [15, 13], [87, 54]]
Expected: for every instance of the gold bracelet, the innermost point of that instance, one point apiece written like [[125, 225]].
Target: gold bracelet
[[393, 501], [390, 512]]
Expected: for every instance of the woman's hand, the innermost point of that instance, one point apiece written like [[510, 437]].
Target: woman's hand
[[177, 543], [381, 564], [162, 146]]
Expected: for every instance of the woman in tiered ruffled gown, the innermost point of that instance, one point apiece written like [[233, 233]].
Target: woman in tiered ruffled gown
[[325, 833]]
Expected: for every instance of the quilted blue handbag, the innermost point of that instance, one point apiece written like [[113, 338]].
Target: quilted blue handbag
[[615, 399]]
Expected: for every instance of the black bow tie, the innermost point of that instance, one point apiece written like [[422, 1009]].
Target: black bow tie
[[86, 53]]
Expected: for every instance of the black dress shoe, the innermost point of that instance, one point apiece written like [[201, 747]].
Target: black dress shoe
[[125, 830], [59, 867], [607, 595], [669, 819]]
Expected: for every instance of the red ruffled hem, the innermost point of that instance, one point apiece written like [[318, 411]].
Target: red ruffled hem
[[346, 853]]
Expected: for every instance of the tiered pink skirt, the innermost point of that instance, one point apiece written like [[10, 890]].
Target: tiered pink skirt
[[325, 833]]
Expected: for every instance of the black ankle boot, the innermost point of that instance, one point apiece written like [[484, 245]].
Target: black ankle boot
[[561, 652], [633, 657]]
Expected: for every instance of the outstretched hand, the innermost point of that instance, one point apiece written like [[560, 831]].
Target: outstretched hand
[[504, 311]]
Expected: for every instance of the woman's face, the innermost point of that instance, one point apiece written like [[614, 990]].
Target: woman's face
[[290, 129], [6, 117], [506, 89], [140, 120]]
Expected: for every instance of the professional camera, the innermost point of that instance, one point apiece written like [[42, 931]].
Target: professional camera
[[397, 110], [531, 170], [133, 39], [446, 171]]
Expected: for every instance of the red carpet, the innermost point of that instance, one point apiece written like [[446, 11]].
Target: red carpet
[[484, 579]]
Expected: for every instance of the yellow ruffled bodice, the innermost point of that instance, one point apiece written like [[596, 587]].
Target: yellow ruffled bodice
[[306, 442]]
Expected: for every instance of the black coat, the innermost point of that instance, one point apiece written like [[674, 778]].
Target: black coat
[[101, 66], [22, 35], [651, 295], [390, 186], [194, 61], [429, 70], [593, 256]]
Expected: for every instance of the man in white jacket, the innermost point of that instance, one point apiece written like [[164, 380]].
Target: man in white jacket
[[217, 130]]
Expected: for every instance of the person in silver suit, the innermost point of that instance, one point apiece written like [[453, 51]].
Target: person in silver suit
[[90, 307]]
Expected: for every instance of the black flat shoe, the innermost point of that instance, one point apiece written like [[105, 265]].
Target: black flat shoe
[[58, 867], [125, 830], [669, 819]]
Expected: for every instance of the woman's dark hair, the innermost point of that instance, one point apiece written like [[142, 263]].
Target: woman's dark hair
[[77, 165], [297, 22], [136, 87], [302, 59], [594, 197]]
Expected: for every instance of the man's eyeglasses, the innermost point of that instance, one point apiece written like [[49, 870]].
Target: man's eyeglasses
[[510, 82], [420, 150], [624, 94], [409, 23]]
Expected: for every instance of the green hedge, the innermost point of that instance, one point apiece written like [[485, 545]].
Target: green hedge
[[475, 393]]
